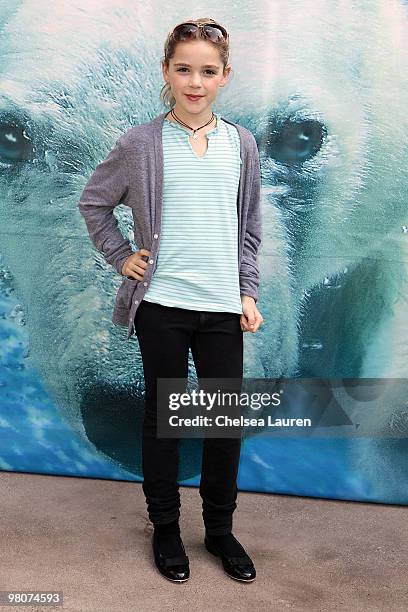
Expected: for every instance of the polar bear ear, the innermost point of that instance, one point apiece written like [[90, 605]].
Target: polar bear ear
[[107, 188]]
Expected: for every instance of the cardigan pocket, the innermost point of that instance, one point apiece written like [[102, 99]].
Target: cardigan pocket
[[125, 293]]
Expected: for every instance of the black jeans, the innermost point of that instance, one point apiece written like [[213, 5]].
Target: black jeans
[[165, 335]]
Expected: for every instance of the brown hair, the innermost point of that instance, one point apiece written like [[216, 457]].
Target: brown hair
[[166, 95]]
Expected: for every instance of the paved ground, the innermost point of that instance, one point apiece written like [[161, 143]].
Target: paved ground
[[92, 540]]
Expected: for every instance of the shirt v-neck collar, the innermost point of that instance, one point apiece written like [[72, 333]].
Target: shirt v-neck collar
[[178, 126]]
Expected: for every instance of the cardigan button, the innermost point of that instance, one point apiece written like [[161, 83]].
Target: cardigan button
[[145, 284], [155, 235], [150, 261]]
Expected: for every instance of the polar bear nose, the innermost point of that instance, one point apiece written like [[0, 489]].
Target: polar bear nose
[[15, 144], [113, 417], [293, 142]]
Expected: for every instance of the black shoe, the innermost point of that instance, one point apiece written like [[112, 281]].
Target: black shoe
[[175, 568], [241, 568]]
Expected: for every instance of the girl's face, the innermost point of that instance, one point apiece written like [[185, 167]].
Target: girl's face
[[196, 68]]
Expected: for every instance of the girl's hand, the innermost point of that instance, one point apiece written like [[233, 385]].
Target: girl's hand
[[251, 318], [135, 266]]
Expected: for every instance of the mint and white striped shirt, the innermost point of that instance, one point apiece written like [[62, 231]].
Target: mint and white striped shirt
[[197, 263]]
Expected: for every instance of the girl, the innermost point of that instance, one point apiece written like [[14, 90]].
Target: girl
[[197, 294]]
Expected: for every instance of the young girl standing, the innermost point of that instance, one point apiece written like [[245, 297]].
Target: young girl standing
[[201, 295]]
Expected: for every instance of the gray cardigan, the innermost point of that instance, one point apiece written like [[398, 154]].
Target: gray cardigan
[[132, 174]]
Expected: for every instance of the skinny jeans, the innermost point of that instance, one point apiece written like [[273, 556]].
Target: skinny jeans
[[165, 335]]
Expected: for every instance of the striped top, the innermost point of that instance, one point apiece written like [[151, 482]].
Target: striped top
[[197, 262]]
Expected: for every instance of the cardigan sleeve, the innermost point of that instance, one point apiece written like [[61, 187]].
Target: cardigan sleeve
[[107, 187], [249, 269]]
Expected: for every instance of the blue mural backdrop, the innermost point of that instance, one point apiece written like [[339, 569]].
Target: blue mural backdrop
[[322, 87]]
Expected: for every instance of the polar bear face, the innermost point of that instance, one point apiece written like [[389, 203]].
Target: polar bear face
[[59, 119], [320, 90]]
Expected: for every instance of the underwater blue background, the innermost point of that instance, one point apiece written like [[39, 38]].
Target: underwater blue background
[[335, 270]]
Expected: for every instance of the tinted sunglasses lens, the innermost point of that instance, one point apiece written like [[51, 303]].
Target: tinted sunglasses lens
[[215, 33], [185, 31]]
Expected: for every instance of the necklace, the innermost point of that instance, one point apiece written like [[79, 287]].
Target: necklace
[[194, 135]]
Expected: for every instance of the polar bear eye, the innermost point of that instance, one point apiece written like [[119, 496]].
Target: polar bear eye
[[14, 143], [294, 142]]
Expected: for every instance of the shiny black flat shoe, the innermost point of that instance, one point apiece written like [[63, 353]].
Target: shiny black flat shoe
[[240, 568], [176, 568]]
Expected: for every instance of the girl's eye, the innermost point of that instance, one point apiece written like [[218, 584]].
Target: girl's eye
[[184, 68]]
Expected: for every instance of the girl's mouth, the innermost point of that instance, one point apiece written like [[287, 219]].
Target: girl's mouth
[[193, 98]]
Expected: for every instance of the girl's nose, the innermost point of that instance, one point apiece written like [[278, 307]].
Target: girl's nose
[[195, 80]]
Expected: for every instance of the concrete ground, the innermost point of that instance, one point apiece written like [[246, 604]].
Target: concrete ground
[[91, 539]]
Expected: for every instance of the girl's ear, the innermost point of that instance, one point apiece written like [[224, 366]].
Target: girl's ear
[[226, 73], [165, 70]]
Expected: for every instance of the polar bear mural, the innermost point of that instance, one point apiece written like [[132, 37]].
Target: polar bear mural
[[322, 91]]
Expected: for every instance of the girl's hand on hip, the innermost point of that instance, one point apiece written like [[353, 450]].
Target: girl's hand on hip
[[251, 318], [135, 266]]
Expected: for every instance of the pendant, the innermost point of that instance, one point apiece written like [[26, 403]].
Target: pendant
[[195, 136]]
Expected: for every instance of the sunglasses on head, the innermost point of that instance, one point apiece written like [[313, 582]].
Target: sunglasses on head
[[188, 31]]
